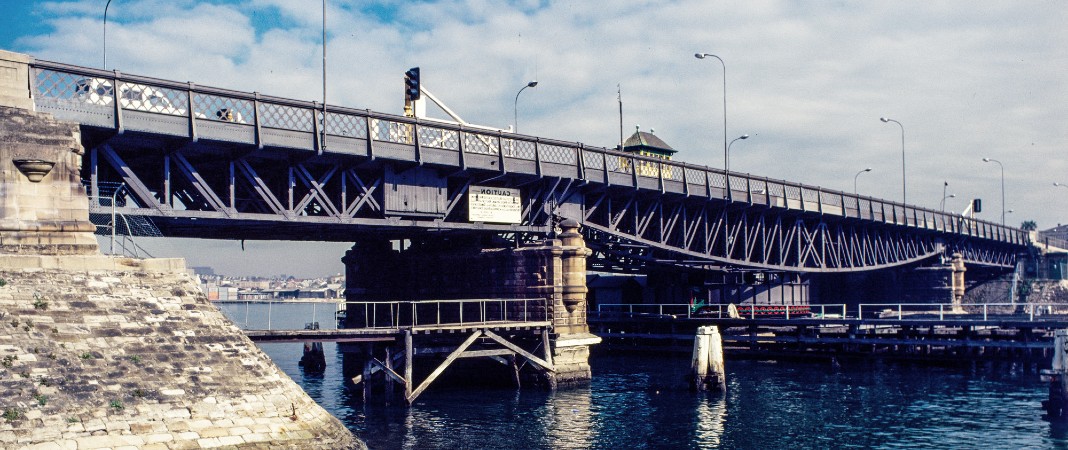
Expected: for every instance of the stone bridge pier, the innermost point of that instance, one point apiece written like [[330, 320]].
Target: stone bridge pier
[[473, 267]]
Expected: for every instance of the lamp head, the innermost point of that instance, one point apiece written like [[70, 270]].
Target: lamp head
[[868, 169], [532, 84], [744, 136], [699, 55], [986, 159], [884, 119]]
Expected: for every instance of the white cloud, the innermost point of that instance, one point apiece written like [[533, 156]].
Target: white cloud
[[808, 80]]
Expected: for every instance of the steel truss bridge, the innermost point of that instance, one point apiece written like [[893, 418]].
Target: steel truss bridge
[[214, 163]]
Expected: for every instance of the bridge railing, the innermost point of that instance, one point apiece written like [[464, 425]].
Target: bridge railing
[[865, 311], [437, 313], [294, 314], [118, 101], [979, 311], [717, 311]]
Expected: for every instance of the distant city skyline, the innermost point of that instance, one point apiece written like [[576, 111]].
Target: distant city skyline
[[808, 81]]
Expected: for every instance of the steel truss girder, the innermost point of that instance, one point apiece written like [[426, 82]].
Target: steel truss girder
[[658, 229], [626, 228]]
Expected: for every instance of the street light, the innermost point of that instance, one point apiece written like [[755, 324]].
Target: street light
[[725, 145], [744, 136], [1002, 187], [106, 33], [904, 199], [515, 106], [943, 204], [855, 179], [1061, 185]]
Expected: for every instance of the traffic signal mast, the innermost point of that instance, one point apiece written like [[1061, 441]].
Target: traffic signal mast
[[413, 104]]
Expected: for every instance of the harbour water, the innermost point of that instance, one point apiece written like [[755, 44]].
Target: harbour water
[[640, 402]]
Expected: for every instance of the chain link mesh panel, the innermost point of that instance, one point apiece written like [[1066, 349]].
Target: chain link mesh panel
[[223, 109], [439, 138], [480, 144], [346, 125], [557, 154], [142, 97], [618, 164], [387, 131], [66, 86], [518, 149], [286, 117], [592, 160]]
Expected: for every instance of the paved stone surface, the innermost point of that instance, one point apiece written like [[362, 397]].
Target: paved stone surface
[[96, 359]]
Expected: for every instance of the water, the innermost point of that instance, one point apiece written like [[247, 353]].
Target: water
[[638, 402]]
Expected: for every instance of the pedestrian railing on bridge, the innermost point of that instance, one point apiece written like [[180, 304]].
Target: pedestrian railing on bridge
[[1031, 312]]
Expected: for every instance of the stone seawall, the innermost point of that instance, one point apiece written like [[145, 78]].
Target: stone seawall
[[122, 353]]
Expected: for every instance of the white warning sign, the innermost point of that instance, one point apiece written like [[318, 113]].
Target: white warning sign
[[494, 205]]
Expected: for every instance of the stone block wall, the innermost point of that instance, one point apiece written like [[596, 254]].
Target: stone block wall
[[125, 356], [44, 208]]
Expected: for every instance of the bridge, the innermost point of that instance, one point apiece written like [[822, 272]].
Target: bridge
[[214, 163], [441, 210]]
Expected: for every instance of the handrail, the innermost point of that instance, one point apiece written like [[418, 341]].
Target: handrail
[[776, 193], [395, 315], [863, 311]]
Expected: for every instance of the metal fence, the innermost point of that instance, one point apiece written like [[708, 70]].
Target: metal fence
[[386, 314], [865, 311]]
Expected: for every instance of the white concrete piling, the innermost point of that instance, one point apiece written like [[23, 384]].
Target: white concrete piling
[[1057, 404], [707, 364]]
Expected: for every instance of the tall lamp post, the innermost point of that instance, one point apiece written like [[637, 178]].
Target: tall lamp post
[[1002, 187], [515, 106], [106, 33], [943, 204], [855, 179], [904, 198], [744, 136], [725, 145]]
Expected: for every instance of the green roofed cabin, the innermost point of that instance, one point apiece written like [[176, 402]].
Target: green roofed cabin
[[646, 144]]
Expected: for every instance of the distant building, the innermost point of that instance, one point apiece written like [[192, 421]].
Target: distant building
[[646, 144], [204, 270]]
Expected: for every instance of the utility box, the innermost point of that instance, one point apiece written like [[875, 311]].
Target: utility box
[[416, 192]]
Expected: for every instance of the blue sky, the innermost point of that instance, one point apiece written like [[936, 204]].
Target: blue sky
[[807, 80]]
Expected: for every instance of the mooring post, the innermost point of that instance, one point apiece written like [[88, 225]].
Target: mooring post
[[707, 364], [1058, 383]]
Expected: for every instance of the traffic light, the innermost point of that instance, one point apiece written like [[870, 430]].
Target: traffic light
[[977, 205], [411, 85]]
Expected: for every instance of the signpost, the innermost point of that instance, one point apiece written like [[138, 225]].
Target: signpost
[[494, 205]]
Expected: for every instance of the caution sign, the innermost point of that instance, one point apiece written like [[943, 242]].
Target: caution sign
[[494, 205]]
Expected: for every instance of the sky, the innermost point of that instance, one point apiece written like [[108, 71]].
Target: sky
[[807, 81]]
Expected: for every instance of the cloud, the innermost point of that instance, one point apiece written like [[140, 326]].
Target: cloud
[[808, 81]]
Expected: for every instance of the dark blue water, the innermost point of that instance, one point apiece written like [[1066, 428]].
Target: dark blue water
[[638, 402]]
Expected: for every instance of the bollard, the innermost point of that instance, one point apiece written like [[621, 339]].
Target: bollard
[[1057, 404], [707, 364]]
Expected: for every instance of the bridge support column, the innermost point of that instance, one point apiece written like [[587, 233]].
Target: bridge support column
[[957, 266], [44, 209], [467, 268]]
